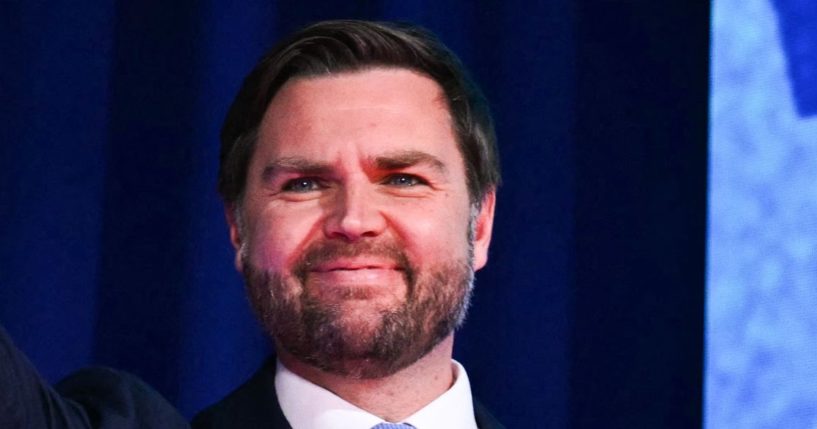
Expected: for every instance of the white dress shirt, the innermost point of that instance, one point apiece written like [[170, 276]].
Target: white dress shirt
[[309, 406]]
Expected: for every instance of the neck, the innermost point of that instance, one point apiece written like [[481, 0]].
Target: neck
[[394, 397]]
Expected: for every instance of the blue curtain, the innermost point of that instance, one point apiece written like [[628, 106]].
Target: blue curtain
[[114, 249]]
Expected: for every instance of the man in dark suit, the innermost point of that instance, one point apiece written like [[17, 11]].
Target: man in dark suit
[[358, 171]]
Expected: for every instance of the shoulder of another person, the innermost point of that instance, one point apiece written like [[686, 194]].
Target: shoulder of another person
[[110, 398], [100, 398]]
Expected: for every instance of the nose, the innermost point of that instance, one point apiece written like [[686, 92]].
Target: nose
[[354, 214]]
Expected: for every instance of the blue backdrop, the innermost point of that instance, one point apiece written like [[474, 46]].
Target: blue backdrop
[[114, 249]]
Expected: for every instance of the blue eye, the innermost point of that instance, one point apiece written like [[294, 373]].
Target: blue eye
[[302, 184], [404, 180]]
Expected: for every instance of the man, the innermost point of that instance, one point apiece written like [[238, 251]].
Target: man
[[358, 171]]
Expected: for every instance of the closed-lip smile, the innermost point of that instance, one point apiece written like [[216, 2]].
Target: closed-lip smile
[[354, 264]]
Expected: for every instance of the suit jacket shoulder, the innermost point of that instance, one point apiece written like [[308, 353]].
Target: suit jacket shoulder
[[253, 405], [484, 418]]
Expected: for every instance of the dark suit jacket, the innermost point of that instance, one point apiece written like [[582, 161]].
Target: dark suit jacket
[[255, 405], [92, 398]]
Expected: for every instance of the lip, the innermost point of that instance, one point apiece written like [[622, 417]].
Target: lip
[[357, 273], [356, 264]]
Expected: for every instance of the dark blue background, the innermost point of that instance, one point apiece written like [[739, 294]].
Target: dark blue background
[[114, 250]]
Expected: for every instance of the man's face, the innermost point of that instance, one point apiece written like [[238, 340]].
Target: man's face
[[356, 235]]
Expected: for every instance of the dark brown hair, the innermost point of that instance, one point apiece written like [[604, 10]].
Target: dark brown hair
[[346, 46]]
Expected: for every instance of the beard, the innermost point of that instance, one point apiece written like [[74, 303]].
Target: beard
[[321, 332]]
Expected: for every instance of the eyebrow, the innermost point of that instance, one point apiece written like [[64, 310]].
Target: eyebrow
[[390, 161], [409, 158], [294, 164]]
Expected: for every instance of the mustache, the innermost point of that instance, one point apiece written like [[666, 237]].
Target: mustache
[[325, 251]]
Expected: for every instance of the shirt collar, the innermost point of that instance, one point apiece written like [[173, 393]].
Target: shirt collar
[[309, 406]]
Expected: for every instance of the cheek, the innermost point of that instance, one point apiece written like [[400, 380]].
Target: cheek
[[437, 234], [277, 237]]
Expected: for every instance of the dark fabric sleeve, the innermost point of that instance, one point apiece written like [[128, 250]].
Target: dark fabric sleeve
[[26, 400], [113, 399], [94, 398]]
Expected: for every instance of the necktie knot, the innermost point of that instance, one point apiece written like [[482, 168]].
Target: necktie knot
[[392, 426]]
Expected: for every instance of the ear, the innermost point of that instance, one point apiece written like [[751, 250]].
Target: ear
[[482, 229], [231, 214]]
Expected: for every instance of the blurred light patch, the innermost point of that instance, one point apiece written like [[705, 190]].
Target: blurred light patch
[[761, 331]]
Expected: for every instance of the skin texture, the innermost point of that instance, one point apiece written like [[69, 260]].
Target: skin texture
[[356, 207]]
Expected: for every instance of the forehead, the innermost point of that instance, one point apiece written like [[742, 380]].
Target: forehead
[[379, 86], [384, 104]]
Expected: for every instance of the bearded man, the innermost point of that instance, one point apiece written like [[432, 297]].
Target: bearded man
[[358, 172]]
